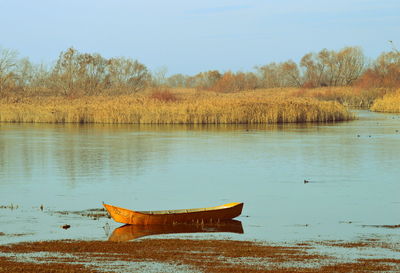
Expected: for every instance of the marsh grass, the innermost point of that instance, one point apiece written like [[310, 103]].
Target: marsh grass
[[354, 97], [390, 103], [187, 107], [163, 95]]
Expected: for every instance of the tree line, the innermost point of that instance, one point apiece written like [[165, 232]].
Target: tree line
[[345, 67], [91, 74], [72, 72]]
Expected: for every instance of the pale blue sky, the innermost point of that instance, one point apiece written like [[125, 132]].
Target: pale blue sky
[[194, 36]]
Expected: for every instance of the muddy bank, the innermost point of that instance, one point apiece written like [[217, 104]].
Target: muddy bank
[[174, 255]]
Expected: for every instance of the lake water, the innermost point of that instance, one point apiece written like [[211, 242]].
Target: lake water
[[353, 169]]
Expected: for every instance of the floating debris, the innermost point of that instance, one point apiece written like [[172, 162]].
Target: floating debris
[[107, 229], [382, 226], [11, 206], [15, 234]]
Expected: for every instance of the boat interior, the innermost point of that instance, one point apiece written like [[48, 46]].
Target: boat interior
[[225, 206]]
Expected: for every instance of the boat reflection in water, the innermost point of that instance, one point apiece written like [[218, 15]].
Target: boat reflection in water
[[131, 232]]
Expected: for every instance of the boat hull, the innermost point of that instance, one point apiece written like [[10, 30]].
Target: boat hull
[[203, 215]]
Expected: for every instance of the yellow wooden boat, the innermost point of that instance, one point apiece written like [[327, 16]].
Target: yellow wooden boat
[[170, 217], [131, 232]]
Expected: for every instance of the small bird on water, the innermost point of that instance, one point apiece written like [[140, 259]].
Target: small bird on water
[[306, 181]]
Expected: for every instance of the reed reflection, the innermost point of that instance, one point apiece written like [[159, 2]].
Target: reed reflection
[[132, 232]]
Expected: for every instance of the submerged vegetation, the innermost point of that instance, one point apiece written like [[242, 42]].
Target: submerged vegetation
[[88, 88]]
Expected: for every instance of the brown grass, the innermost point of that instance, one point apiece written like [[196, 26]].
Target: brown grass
[[252, 107], [163, 95]]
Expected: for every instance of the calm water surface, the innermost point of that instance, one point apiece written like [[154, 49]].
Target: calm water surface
[[354, 169]]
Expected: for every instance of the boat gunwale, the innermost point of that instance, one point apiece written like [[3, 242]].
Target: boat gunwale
[[182, 211]]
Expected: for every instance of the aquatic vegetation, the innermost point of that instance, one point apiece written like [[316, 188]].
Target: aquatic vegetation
[[389, 103], [251, 107], [197, 255], [94, 214]]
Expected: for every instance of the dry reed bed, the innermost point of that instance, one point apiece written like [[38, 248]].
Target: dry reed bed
[[390, 103], [348, 96], [207, 108]]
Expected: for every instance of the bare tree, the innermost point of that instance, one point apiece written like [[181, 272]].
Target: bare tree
[[270, 75], [8, 62], [331, 68], [128, 73], [159, 76], [25, 74], [178, 80], [351, 61], [205, 80], [65, 72], [286, 74], [314, 68], [291, 72], [92, 72]]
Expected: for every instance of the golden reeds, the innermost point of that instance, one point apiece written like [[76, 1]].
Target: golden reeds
[[189, 108], [349, 96], [389, 103]]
